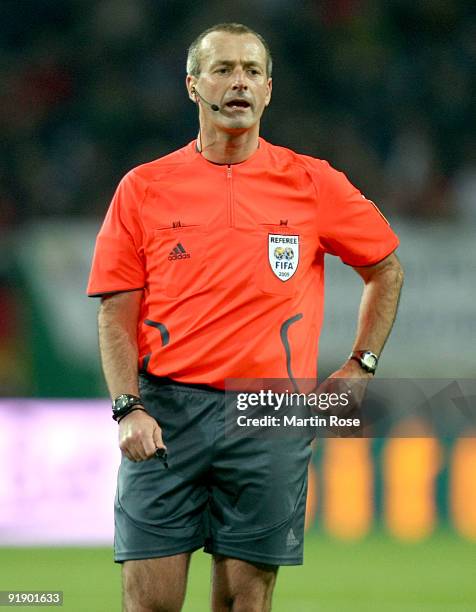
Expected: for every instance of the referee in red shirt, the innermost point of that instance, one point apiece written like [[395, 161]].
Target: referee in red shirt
[[210, 266]]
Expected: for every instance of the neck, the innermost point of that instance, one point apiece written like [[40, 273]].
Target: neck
[[228, 147]]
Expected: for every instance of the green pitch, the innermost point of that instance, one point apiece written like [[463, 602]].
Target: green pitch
[[377, 574]]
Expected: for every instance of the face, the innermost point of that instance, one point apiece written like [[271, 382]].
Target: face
[[233, 76]]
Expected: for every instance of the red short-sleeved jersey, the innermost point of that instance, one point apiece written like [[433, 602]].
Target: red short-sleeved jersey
[[230, 259]]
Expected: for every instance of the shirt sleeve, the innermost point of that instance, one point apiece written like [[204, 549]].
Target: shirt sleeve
[[118, 256], [350, 225]]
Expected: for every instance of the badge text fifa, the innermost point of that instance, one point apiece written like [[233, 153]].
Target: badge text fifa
[[283, 255]]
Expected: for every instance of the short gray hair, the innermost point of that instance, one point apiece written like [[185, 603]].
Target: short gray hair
[[193, 57]]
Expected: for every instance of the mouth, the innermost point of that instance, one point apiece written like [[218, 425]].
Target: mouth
[[238, 103]]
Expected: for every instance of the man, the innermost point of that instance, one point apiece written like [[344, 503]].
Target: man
[[210, 267]]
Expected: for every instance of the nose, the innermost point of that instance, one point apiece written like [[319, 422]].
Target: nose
[[239, 82]]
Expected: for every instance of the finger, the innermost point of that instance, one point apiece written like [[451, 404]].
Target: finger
[[133, 443], [126, 444], [129, 455], [130, 449], [148, 441], [136, 452], [148, 447], [157, 439]]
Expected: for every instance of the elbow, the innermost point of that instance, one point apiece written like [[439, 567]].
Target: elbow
[[393, 278], [390, 274], [393, 270], [398, 272]]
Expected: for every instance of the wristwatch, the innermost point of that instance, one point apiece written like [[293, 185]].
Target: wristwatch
[[125, 403], [368, 361]]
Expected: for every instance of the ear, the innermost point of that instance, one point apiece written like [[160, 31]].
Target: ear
[[267, 100], [190, 82]]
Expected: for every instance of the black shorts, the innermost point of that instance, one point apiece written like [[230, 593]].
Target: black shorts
[[238, 497]]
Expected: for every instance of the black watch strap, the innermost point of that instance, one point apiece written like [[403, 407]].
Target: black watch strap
[[136, 407]]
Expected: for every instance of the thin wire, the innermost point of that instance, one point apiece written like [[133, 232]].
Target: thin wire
[[199, 124]]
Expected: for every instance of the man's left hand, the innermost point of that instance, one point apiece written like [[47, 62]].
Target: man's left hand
[[352, 380]]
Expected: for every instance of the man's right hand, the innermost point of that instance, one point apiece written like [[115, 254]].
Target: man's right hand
[[139, 436]]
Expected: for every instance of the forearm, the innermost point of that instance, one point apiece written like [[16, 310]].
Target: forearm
[[118, 345], [378, 307], [139, 433]]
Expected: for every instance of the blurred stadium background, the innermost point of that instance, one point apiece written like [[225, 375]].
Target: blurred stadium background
[[385, 92]]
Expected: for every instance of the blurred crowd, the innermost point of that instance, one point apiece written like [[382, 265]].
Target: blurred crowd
[[382, 89]]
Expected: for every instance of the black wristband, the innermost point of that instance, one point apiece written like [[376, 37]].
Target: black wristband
[[124, 414]]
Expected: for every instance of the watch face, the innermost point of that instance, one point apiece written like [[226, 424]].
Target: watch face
[[122, 402], [369, 360]]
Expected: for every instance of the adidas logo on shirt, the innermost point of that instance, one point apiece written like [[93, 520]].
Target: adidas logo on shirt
[[178, 252]]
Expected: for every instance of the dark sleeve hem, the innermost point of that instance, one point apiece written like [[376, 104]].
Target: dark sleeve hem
[[102, 293], [373, 263]]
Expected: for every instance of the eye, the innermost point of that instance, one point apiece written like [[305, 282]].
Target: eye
[[254, 71], [222, 70]]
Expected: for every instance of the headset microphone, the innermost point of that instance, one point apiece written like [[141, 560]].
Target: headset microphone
[[214, 107]]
